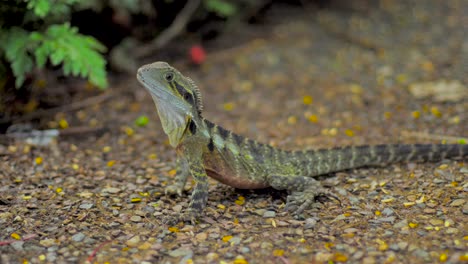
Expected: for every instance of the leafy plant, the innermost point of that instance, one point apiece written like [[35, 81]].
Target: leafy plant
[[221, 7], [59, 43]]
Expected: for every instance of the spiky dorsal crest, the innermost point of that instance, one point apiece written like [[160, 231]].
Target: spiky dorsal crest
[[197, 93]]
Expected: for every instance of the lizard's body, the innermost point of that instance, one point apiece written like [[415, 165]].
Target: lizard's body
[[205, 149]]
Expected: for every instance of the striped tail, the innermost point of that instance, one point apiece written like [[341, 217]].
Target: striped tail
[[324, 161]]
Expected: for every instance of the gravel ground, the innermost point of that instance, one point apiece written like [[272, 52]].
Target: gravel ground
[[339, 76]]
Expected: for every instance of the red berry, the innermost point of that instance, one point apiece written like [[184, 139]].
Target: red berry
[[197, 54]]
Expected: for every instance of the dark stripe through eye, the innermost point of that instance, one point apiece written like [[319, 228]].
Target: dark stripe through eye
[[184, 93]]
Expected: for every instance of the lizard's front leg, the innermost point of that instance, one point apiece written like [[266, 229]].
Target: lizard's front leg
[[199, 193], [182, 173], [302, 191]]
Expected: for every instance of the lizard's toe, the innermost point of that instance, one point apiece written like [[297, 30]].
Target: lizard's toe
[[189, 216], [297, 202], [173, 190]]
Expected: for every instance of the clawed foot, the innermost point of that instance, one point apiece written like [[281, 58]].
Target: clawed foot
[[189, 216], [174, 189], [297, 202]]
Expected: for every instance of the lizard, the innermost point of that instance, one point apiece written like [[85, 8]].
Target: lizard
[[205, 149]]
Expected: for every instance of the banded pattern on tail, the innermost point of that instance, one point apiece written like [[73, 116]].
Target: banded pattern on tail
[[322, 161]]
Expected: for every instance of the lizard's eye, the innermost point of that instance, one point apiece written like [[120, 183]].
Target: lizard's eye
[[169, 76]]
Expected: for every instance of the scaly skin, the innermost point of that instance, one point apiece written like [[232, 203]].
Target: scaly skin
[[207, 150]]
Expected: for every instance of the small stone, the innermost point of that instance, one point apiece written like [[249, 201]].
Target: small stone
[[389, 219], [86, 206], [134, 241], [235, 240], [47, 242], [451, 230], [310, 223], [212, 257], [394, 247], [358, 255], [135, 218], [436, 222], [402, 245], [387, 211], [18, 245], [260, 211], [420, 253], [112, 190], [201, 236], [145, 245], [351, 230], [266, 245], [78, 237], [457, 202], [269, 214], [401, 224], [323, 257], [177, 208], [245, 250], [180, 252], [369, 260]]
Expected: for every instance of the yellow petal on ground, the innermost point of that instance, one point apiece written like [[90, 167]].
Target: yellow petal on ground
[[226, 238], [278, 252], [228, 106], [307, 99], [173, 229], [38, 160], [63, 123], [15, 236]]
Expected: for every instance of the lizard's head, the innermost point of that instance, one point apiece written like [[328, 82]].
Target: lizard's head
[[177, 98]]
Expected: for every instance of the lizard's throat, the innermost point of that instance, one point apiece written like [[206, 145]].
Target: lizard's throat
[[173, 120]]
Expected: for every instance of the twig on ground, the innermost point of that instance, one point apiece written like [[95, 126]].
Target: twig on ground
[[95, 251], [177, 26]]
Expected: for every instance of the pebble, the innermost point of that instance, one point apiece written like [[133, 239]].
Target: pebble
[[358, 255], [181, 252], [402, 245], [452, 230], [78, 237], [457, 202], [387, 211], [134, 241], [310, 223], [244, 250], [260, 211], [47, 242], [235, 240], [389, 219], [401, 224], [266, 245], [421, 253], [18, 245], [388, 233], [177, 208], [212, 257], [86, 206], [351, 230], [135, 218], [269, 214]]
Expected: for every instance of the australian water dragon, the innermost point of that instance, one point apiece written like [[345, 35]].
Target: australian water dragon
[[208, 150]]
